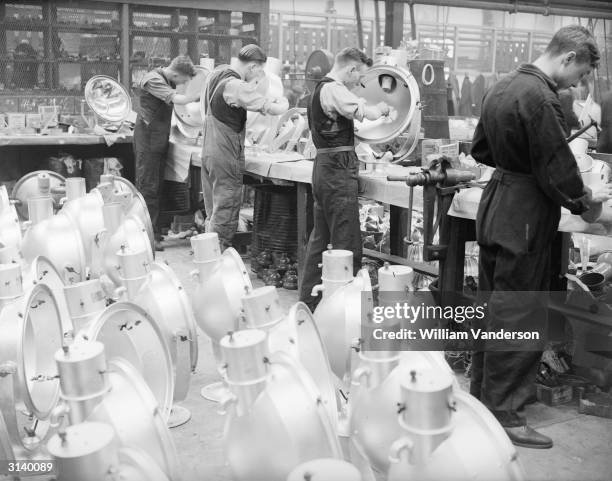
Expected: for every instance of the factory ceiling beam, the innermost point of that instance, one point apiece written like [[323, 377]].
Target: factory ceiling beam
[[577, 8]]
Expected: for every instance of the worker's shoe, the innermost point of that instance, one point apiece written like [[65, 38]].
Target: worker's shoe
[[527, 437]]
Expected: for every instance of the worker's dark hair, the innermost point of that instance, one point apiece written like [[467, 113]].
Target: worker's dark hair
[[352, 54], [183, 65], [575, 38], [252, 53]]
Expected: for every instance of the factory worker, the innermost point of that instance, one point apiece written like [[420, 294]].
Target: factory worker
[[331, 112], [156, 97], [522, 134], [229, 93]]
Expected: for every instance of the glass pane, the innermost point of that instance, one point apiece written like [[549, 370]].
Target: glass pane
[[183, 47], [70, 77], [206, 21], [205, 48], [183, 21], [73, 76], [474, 51], [86, 46], [512, 51], [151, 51], [250, 25], [25, 49], [301, 36], [224, 54], [236, 19], [23, 13], [152, 20], [236, 46], [87, 16], [210, 21]]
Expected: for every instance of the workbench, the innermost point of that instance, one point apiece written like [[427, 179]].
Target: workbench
[[291, 168], [21, 154], [64, 139]]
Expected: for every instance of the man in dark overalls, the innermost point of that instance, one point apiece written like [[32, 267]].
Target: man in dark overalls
[[522, 134], [229, 93], [156, 96], [331, 112]]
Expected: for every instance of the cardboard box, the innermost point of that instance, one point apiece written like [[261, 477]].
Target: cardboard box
[[16, 121]]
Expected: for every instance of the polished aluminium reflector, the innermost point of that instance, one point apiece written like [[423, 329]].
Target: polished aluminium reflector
[[137, 207], [375, 393], [325, 469], [86, 213], [394, 85], [189, 118], [132, 410], [476, 447], [129, 333], [58, 239], [10, 230], [286, 412], [338, 318], [120, 231], [108, 99], [42, 271], [222, 280], [296, 334], [164, 298], [116, 394], [31, 333], [40, 183]]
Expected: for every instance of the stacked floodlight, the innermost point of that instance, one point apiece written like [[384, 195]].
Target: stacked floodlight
[[273, 398], [158, 291], [221, 282], [113, 393], [31, 331]]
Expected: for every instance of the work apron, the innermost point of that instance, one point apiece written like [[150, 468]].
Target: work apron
[[336, 214], [515, 228], [222, 169]]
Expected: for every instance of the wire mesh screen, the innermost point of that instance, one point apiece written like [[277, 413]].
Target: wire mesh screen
[[58, 47]]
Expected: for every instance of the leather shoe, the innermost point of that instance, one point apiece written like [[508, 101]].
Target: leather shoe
[[527, 437]]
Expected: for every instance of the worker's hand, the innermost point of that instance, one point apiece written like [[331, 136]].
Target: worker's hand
[[194, 98], [387, 157], [384, 108], [601, 193]]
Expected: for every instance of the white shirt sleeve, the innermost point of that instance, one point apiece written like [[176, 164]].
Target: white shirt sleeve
[[336, 99]]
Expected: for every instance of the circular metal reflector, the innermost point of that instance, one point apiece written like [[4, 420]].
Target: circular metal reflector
[[319, 63], [29, 388], [164, 297], [36, 184], [397, 88], [129, 333], [108, 98], [132, 410], [190, 117]]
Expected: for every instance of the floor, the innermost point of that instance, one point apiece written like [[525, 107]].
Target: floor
[[582, 450]]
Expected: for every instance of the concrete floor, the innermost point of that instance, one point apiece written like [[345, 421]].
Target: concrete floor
[[582, 450]]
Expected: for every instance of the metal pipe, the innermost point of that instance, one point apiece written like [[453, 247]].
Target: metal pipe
[[521, 8], [359, 25]]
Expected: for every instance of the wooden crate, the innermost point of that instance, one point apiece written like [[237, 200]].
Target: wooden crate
[[554, 396]]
